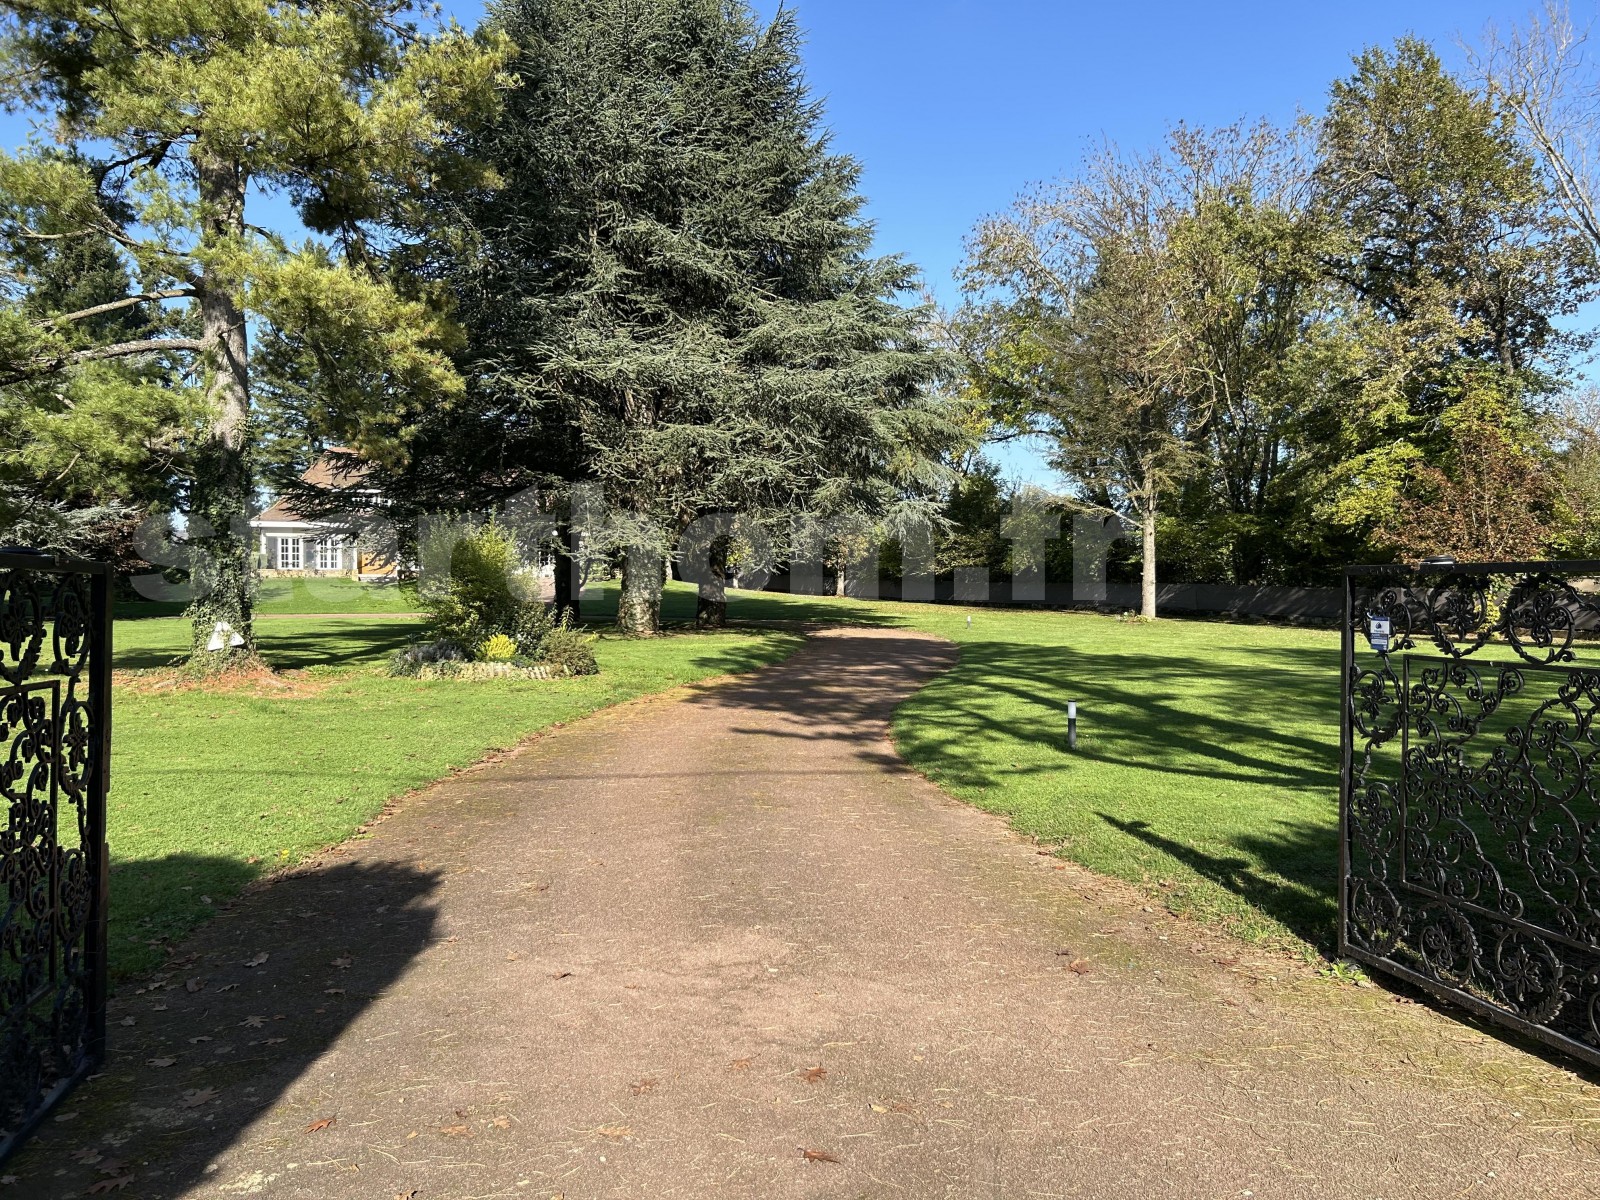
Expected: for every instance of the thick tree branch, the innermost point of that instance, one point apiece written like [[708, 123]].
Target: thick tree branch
[[126, 302], [145, 346]]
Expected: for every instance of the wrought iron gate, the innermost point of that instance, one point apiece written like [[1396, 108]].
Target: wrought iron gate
[[1470, 797], [55, 738]]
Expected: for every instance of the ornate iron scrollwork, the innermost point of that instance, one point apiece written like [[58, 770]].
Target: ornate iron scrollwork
[[1470, 810], [54, 692]]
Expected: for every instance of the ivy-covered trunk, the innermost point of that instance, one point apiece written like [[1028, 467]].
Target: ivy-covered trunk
[[711, 607], [639, 605], [221, 612]]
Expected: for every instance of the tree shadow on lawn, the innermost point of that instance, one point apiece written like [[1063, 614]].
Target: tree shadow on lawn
[[1268, 722], [242, 1038], [1273, 724], [1307, 858], [1263, 727], [347, 643]]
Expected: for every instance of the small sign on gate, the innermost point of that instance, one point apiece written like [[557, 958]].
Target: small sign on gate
[[1378, 633]]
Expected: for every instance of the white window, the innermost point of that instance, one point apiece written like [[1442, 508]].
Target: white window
[[330, 554], [288, 554]]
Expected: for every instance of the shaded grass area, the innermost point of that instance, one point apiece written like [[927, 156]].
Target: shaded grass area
[[212, 789], [301, 595], [1207, 761]]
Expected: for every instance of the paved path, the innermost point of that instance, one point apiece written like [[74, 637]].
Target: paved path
[[667, 950]]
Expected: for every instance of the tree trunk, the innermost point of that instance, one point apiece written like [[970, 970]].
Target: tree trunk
[[711, 608], [569, 587], [1148, 574], [639, 606], [220, 501]]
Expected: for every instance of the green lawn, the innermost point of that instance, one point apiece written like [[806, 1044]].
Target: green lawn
[[209, 790], [301, 594], [1205, 772], [1207, 760]]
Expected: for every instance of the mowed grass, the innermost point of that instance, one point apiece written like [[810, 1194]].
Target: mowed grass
[[1206, 768], [301, 595], [212, 789], [1207, 762]]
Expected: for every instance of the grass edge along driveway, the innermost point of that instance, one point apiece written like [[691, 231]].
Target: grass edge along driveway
[[1206, 772], [212, 790]]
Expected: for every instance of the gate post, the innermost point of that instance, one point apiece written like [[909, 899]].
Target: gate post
[[1347, 663]]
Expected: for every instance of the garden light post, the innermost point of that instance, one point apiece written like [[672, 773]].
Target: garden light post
[[1072, 724]]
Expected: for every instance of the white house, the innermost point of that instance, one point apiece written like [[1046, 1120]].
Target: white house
[[291, 544]]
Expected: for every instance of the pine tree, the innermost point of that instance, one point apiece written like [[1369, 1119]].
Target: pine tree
[[344, 108], [670, 295]]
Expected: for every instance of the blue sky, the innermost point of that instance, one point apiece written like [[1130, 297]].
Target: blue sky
[[953, 106]]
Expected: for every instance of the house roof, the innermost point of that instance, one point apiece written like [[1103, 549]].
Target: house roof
[[338, 467]]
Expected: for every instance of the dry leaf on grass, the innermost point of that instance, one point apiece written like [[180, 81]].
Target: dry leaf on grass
[[817, 1155], [456, 1130], [501, 1122], [320, 1124], [814, 1074], [643, 1086], [615, 1131], [742, 1064], [1079, 966]]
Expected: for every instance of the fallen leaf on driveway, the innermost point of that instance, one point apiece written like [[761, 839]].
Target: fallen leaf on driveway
[[817, 1155], [257, 960], [109, 1185], [814, 1074], [343, 962], [253, 1022], [87, 1155], [159, 1062], [195, 1097], [320, 1124], [194, 985]]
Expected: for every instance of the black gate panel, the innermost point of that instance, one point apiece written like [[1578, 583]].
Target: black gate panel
[[1470, 797], [55, 727]]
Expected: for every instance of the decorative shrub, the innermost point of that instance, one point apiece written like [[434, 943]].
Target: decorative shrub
[[480, 595], [498, 648], [412, 660], [570, 649]]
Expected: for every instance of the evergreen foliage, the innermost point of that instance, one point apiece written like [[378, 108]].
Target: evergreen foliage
[[670, 293]]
